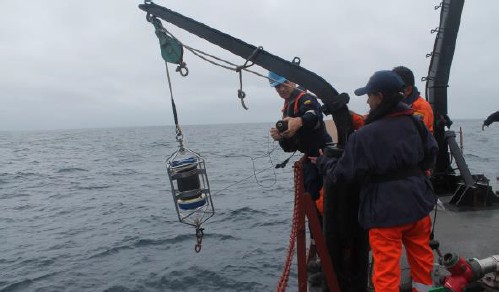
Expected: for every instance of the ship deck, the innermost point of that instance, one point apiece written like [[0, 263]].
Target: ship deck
[[469, 233]]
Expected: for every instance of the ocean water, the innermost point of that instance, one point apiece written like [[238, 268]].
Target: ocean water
[[91, 209]]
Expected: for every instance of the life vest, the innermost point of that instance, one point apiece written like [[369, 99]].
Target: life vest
[[296, 108]]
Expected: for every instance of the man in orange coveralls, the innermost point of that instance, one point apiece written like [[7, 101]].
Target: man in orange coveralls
[[413, 98]]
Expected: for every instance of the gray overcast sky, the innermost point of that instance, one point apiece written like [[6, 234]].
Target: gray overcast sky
[[80, 64]]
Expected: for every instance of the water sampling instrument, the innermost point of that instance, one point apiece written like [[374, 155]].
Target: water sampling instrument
[[186, 169]]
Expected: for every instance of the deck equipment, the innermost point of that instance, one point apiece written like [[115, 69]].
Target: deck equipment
[[334, 104], [186, 169], [469, 190]]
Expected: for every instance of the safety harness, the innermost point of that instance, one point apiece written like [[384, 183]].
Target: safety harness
[[296, 109]]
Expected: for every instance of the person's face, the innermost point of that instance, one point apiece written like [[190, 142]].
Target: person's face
[[374, 99], [284, 90], [408, 91]]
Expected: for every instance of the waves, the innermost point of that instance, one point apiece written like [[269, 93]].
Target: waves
[[70, 170], [91, 210], [24, 284], [199, 279]]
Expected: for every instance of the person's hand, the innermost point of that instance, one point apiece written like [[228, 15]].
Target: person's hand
[[294, 124], [274, 133], [314, 159]]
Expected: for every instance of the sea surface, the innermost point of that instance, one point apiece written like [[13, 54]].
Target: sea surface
[[92, 210]]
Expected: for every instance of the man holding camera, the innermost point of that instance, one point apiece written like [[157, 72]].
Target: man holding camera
[[302, 128]]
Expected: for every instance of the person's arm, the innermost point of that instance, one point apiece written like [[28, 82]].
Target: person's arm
[[490, 119], [430, 148], [309, 111], [352, 165], [294, 124]]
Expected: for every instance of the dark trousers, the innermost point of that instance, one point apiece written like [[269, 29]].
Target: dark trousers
[[312, 179]]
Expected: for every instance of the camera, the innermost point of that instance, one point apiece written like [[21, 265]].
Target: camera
[[281, 126]]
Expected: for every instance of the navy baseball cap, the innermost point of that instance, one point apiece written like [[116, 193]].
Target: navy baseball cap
[[382, 81]]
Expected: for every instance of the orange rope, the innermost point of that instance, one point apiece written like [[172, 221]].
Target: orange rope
[[298, 180]]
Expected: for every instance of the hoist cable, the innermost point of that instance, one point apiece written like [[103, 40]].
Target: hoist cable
[[204, 56], [178, 131], [233, 67]]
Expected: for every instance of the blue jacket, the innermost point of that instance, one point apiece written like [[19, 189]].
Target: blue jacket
[[313, 135], [387, 158]]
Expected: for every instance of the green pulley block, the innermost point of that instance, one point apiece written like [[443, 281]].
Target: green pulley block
[[171, 50]]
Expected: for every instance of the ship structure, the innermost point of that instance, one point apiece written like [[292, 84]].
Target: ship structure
[[469, 222]]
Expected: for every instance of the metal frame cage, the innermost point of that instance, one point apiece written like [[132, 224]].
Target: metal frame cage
[[190, 187]]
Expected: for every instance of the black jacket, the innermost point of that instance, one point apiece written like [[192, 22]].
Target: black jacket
[[387, 158], [313, 135]]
